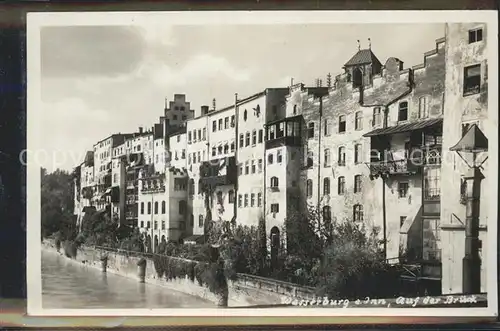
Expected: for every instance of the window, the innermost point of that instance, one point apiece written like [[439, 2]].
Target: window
[[191, 220], [240, 200], [327, 160], [279, 157], [341, 185], [310, 159], [155, 225], [214, 151], [252, 168], [199, 134], [226, 149], [241, 139], [231, 196], [200, 186], [274, 182], [309, 188], [142, 224], [281, 130], [295, 109], [475, 35], [220, 124], [310, 130], [180, 184], [326, 186], [149, 208], [431, 239], [403, 189], [232, 147], [214, 126], [358, 120], [142, 208], [191, 186], [259, 166], [326, 127], [261, 134], [472, 79], [247, 168], [358, 213], [402, 220], [432, 183], [184, 117], [163, 207], [423, 111], [226, 123], [254, 137], [220, 149], [327, 213], [259, 199], [247, 139], [148, 225], [342, 124], [341, 161], [183, 108], [403, 111], [270, 158], [357, 184], [245, 115], [200, 221], [275, 208], [182, 207], [357, 154], [232, 121], [156, 207], [246, 200], [194, 157], [183, 155], [241, 169], [271, 132], [252, 200], [174, 117]]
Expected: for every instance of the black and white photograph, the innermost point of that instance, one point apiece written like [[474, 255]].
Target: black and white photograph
[[262, 163]]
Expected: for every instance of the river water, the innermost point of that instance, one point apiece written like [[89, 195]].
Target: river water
[[66, 285]]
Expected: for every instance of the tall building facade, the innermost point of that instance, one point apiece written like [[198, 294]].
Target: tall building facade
[[368, 149]]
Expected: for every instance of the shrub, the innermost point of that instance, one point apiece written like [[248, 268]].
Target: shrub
[[70, 249]]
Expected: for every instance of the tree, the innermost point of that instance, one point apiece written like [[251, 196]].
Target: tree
[[57, 204]]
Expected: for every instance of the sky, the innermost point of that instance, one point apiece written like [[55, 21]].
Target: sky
[[100, 80]]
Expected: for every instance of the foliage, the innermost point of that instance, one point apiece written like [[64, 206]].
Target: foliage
[[132, 240], [98, 229], [70, 249], [57, 204]]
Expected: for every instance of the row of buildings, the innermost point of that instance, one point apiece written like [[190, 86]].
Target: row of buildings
[[372, 148]]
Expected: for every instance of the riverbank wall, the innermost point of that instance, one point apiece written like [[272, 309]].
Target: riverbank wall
[[245, 291]]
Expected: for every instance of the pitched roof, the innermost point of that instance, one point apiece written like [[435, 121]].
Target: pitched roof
[[404, 127], [473, 140], [363, 56]]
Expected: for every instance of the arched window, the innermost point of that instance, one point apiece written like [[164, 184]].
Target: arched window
[[156, 207], [358, 123], [231, 196], [163, 207], [200, 221], [341, 185], [274, 182], [226, 148], [309, 188], [358, 213], [149, 207], [327, 213], [357, 154], [182, 207], [310, 159], [357, 184], [326, 186], [341, 161], [326, 162]]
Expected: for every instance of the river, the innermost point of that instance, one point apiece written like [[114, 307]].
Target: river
[[66, 285]]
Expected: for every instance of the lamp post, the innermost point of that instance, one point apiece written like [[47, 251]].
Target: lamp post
[[472, 143]]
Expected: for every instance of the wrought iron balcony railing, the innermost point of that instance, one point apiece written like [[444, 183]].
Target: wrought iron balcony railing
[[405, 166]]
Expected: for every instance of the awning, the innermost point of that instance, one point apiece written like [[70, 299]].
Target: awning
[[404, 127]]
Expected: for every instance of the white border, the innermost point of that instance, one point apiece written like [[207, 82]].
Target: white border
[[36, 20]]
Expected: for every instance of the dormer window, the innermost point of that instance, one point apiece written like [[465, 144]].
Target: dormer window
[[403, 111]]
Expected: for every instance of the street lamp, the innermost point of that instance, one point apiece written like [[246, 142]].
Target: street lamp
[[472, 144]]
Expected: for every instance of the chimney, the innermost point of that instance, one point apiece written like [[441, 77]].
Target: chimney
[[140, 129], [204, 110]]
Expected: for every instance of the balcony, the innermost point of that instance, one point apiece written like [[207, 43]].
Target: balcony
[[398, 167], [284, 132], [150, 190], [130, 184], [130, 215]]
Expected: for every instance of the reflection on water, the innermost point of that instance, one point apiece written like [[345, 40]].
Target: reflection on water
[[66, 285]]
